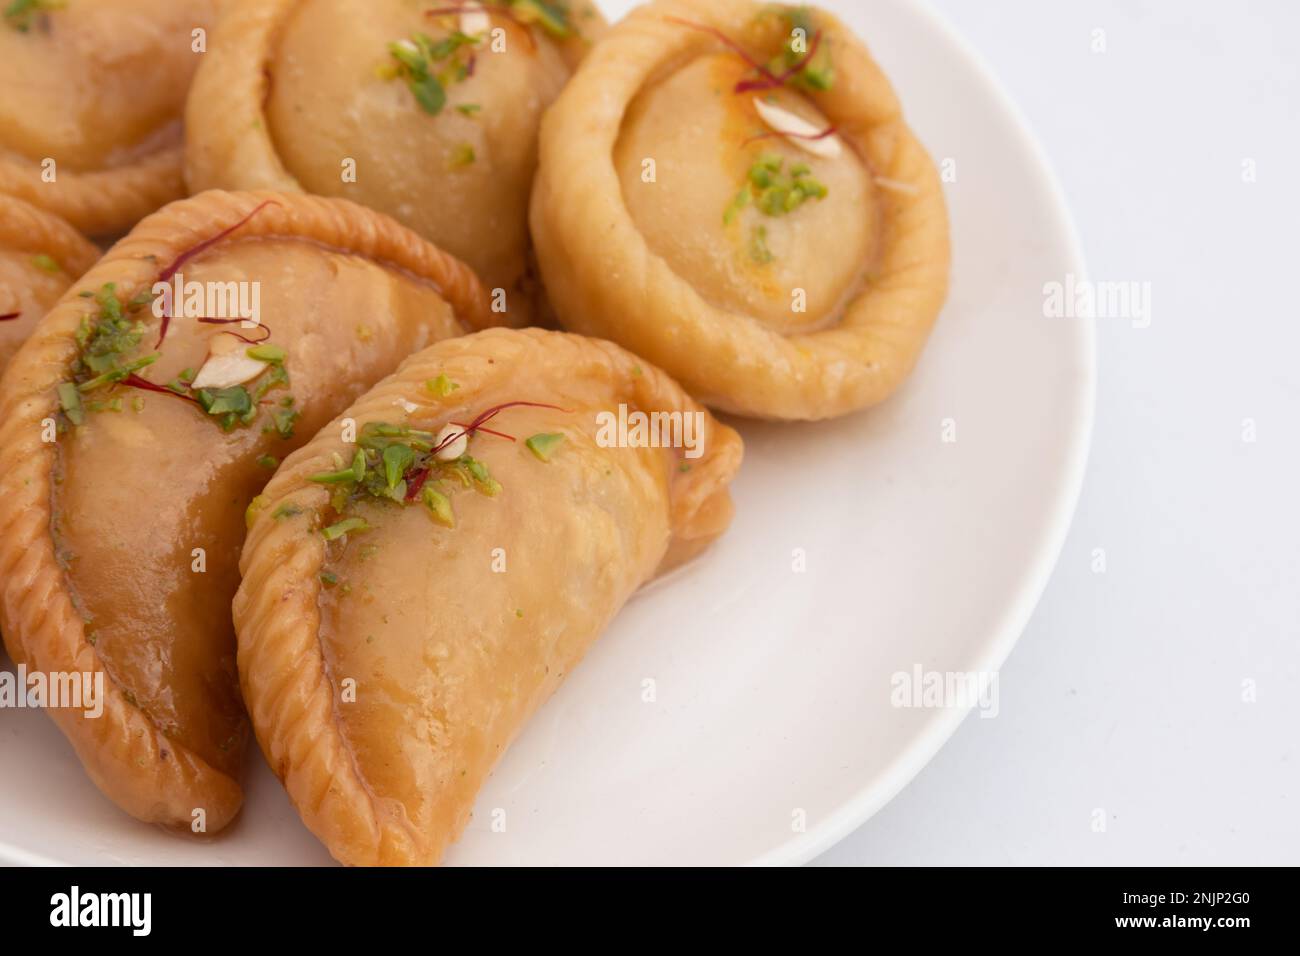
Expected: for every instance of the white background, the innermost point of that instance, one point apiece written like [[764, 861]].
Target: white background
[[1125, 694]]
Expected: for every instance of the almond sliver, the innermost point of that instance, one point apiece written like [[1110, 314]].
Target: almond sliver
[[798, 130], [228, 370], [474, 20]]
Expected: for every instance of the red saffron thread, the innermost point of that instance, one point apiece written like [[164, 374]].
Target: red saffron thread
[[728, 42], [9, 316], [135, 381], [488, 431], [261, 326]]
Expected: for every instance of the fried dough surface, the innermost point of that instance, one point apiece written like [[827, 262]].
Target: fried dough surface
[[776, 276], [307, 95], [90, 114], [40, 256], [119, 539], [387, 669]]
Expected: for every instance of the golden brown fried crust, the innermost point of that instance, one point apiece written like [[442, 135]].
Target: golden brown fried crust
[[101, 203], [231, 134], [40, 623], [603, 278], [283, 672], [30, 229]]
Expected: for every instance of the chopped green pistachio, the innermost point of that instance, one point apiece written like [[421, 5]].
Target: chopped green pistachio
[[758, 250], [462, 155], [818, 74], [481, 477], [544, 444], [397, 459], [684, 467], [137, 404], [329, 579], [286, 511], [553, 17], [267, 353], [429, 93], [255, 508], [346, 526], [417, 59], [469, 109], [519, 612], [20, 13], [70, 402], [269, 462], [743, 199], [46, 264], [118, 373], [409, 55], [354, 472], [282, 420], [776, 194], [441, 386], [439, 506], [232, 405]]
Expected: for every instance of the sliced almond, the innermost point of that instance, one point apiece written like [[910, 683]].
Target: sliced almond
[[798, 130], [456, 448], [228, 364], [474, 20]]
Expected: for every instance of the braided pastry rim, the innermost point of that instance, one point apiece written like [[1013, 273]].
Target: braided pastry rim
[[34, 589], [278, 603], [101, 202], [28, 228], [752, 370]]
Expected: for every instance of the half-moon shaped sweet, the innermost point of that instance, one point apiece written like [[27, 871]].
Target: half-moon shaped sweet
[[40, 256], [410, 597], [730, 190], [427, 112], [90, 119], [131, 445]]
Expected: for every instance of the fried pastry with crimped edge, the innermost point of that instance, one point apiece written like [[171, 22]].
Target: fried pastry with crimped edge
[[40, 256], [101, 529], [700, 266], [98, 88], [305, 95], [453, 617]]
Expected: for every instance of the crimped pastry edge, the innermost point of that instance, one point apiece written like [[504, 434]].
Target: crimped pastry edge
[[751, 370], [38, 618], [277, 612]]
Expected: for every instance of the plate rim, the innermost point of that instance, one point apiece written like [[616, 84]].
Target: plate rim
[[852, 813], [874, 795]]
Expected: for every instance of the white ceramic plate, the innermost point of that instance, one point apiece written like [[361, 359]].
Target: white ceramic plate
[[771, 687]]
